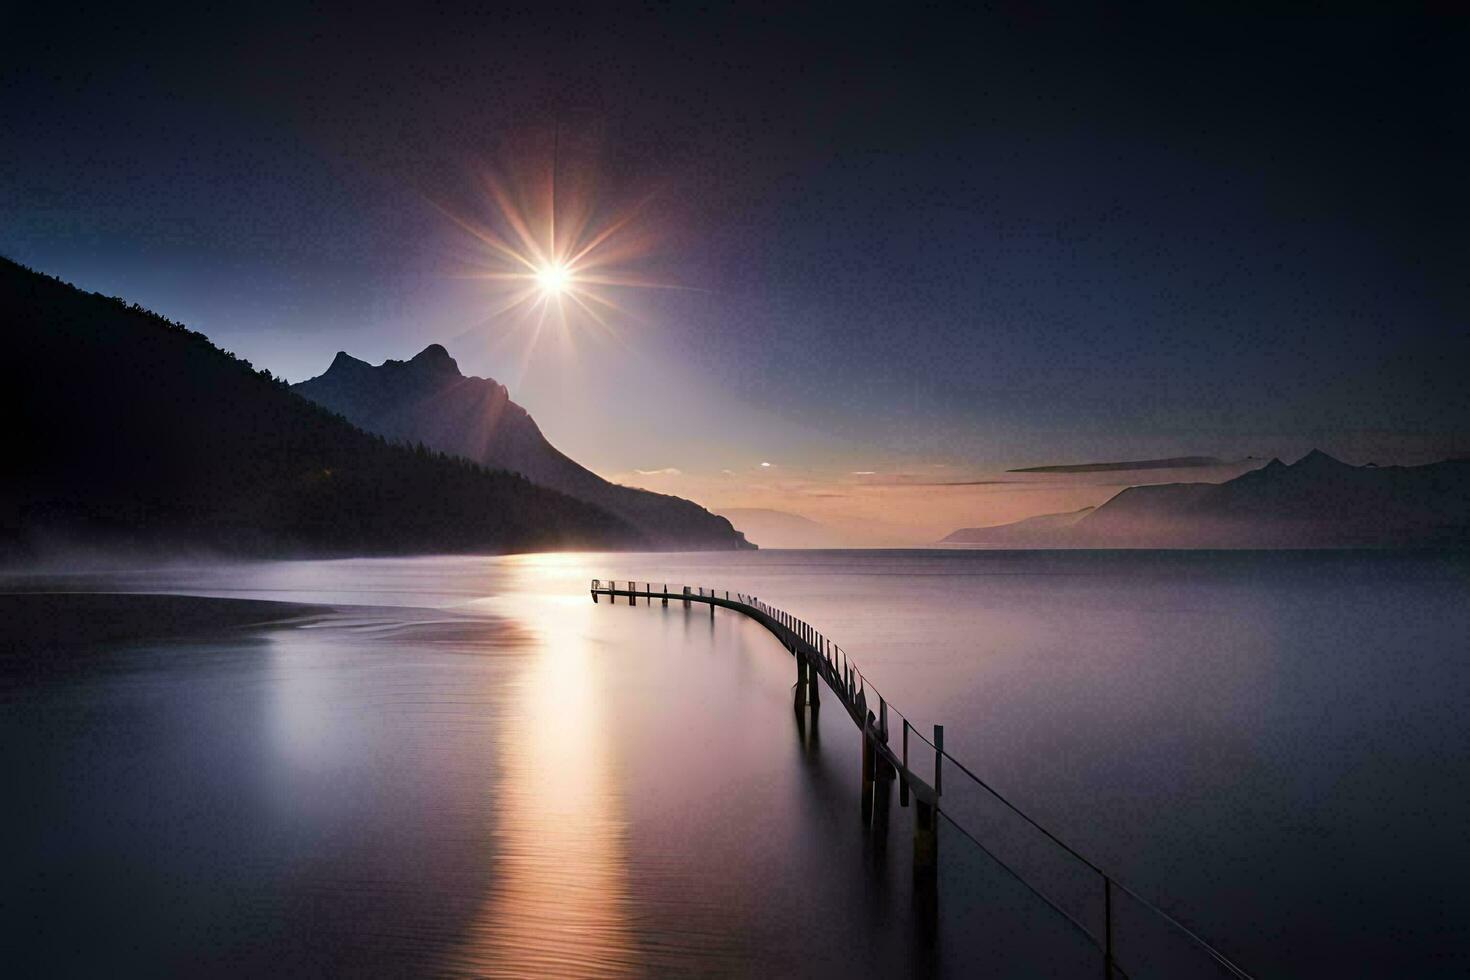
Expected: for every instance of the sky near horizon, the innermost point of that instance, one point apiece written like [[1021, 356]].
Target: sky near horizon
[[898, 254]]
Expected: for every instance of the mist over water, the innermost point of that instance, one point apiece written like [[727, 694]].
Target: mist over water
[[463, 765]]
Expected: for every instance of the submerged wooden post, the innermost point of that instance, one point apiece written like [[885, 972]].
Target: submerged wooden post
[[632, 593], [869, 757], [801, 682], [813, 689], [926, 821], [903, 774], [926, 843], [885, 768], [686, 597]]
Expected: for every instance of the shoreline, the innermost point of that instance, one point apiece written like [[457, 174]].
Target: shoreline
[[37, 621]]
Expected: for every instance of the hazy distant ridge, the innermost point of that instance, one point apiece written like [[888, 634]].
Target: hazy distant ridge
[[1017, 533], [1316, 502], [780, 529]]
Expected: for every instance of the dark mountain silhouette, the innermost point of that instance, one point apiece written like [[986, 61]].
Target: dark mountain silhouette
[[131, 430], [426, 399], [1023, 533], [1317, 502]]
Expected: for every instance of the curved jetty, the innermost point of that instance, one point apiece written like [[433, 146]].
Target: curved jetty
[[818, 657]]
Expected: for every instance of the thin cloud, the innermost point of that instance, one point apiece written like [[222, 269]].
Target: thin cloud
[[666, 471], [1171, 463], [918, 482], [963, 483]]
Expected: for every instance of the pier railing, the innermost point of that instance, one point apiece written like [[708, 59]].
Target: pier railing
[[1102, 910]]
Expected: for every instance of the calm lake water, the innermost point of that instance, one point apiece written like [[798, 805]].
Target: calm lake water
[[464, 766]]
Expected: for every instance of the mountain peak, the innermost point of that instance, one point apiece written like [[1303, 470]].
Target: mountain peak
[[1317, 459], [426, 399], [436, 358], [346, 362]]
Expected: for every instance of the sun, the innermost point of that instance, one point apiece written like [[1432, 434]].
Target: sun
[[557, 259], [554, 279]]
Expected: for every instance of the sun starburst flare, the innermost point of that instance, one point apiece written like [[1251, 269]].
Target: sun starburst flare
[[554, 258]]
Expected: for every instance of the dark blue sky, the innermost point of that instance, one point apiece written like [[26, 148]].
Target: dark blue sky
[[986, 238]]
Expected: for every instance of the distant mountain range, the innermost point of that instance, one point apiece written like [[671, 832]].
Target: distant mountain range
[[781, 529], [1316, 502], [427, 400], [1018, 533], [131, 431]]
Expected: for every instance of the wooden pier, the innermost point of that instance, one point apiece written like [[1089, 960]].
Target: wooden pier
[[816, 658]]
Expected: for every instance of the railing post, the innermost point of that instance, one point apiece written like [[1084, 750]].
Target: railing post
[[938, 759]]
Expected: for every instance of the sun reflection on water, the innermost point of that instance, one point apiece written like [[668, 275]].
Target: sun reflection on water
[[559, 905]]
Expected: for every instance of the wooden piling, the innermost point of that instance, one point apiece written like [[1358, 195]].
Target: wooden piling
[[903, 774], [926, 843], [885, 768], [801, 684], [869, 757], [813, 691], [666, 593], [926, 820]]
